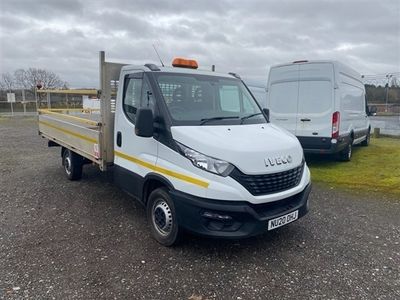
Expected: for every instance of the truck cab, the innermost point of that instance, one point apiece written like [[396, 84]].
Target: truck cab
[[199, 137], [196, 149]]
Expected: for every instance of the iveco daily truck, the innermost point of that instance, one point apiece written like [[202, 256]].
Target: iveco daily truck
[[192, 146], [322, 103]]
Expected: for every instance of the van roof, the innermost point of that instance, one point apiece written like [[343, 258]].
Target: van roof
[[339, 66], [178, 70]]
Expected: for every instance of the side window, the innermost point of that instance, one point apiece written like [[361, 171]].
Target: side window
[[352, 98], [132, 95], [229, 98]]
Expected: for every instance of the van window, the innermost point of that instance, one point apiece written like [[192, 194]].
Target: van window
[[352, 98], [191, 99], [315, 96], [283, 97]]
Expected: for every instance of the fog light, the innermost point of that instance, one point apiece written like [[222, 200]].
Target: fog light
[[216, 216]]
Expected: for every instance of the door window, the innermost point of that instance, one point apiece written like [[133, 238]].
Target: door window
[[132, 97]]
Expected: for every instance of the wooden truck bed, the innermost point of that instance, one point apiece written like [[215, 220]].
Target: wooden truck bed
[[88, 132], [73, 129]]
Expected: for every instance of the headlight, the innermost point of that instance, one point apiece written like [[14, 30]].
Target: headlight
[[207, 163]]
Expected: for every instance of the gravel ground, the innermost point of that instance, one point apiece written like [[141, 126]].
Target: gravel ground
[[89, 240]]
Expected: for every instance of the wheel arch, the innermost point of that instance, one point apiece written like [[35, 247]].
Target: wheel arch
[[153, 181], [351, 135]]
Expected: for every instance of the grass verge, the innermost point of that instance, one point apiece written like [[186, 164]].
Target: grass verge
[[373, 169]]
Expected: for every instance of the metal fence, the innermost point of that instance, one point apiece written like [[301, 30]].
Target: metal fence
[[27, 101]]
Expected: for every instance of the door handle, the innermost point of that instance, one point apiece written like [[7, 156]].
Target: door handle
[[305, 120], [119, 139]]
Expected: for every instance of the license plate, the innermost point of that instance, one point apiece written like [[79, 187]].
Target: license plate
[[283, 220]]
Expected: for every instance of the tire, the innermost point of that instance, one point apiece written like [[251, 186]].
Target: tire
[[365, 143], [161, 215], [73, 164], [346, 153]]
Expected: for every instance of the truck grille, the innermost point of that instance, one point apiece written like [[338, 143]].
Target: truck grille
[[269, 183]]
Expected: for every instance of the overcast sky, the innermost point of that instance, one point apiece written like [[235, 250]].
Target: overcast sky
[[245, 37]]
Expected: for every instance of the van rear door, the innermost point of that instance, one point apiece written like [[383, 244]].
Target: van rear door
[[283, 95], [316, 100]]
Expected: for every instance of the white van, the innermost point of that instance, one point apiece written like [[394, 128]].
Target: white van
[[192, 146], [322, 103]]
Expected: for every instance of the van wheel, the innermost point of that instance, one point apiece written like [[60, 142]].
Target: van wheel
[[73, 164], [345, 154], [365, 142], [162, 219]]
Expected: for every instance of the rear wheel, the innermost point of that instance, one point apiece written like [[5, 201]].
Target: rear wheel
[[73, 164], [162, 218], [365, 142], [345, 154]]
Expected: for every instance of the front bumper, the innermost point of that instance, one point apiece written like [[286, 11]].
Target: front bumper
[[210, 217]]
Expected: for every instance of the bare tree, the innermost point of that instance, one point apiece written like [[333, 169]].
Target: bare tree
[[30, 78], [7, 82]]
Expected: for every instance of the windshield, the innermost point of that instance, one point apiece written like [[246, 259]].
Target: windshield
[[208, 100]]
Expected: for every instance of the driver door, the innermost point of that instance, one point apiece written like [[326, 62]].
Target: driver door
[[132, 153]]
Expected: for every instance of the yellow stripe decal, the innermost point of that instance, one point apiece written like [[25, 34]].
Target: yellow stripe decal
[[59, 114], [83, 137], [150, 166]]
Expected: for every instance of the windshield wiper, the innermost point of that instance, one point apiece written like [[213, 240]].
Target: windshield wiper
[[205, 120], [248, 117]]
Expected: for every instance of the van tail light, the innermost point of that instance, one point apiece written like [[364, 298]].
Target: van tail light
[[335, 124]]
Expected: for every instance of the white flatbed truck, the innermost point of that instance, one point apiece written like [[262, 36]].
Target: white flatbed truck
[[192, 146]]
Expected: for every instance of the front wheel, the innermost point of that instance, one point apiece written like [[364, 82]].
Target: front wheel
[[162, 219], [73, 164]]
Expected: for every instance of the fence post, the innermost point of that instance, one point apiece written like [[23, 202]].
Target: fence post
[[36, 100], [48, 101], [377, 132], [23, 101]]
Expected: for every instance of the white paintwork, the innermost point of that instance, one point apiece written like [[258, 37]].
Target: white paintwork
[[256, 141], [222, 188], [133, 145], [245, 146], [314, 90]]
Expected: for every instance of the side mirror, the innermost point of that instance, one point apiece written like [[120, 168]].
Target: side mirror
[[144, 125], [266, 113], [371, 110]]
